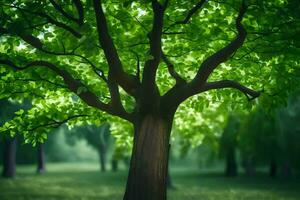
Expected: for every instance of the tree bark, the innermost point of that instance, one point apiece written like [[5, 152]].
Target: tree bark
[[41, 167], [9, 157], [149, 161], [102, 157]]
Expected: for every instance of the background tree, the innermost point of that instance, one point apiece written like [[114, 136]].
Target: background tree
[[288, 136], [98, 138], [9, 157], [258, 142], [9, 142], [228, 145], [41, 165]]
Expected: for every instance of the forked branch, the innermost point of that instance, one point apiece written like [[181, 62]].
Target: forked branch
[[126, 81], [151, 65], [179, 80], [249, 93], [197, 85], [221, 56]]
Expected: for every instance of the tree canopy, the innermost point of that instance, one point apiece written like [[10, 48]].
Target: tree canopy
[[62, 49]]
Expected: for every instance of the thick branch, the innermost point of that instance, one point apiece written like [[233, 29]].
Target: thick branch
[[208, 66], [172, 72], [176, 95], [126, 81], [151, 65], [249, 93], [115, 103], [36, 43], [87, 96]]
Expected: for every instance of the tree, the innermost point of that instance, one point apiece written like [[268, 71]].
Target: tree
[[98, 138], [228, 145], [41, 168], [288, 136], [52, 47], [9, 157], [9, 143], [258, 141]]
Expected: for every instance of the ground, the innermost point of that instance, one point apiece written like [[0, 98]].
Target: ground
[[86, 182]]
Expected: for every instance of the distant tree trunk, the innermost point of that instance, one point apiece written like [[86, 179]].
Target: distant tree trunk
[[286, 170], [231, 166], [41, 168], [169, 181], [249, 167], [114, 165], [169, 178], [273, 168], [102, 157], [9, 157], [148, 166]]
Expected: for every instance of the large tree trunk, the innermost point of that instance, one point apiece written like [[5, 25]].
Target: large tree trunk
[[102, 157], [9, 157], [231, 166], [149, 161], [41, 167]]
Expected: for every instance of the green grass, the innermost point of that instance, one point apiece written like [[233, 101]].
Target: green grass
[[85, 182]]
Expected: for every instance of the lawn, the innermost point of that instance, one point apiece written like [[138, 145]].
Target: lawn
[[85, 182]]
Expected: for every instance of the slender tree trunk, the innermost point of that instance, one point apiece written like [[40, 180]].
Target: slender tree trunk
[[169, 181], [41, 167], [102, 157], [273, 168], [231, 166], [249, 167], [9, 157], [149, 161], [169, 178], [286, 170], [114, 165]]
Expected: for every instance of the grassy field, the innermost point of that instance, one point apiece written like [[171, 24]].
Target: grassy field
[[85, 182]]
